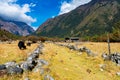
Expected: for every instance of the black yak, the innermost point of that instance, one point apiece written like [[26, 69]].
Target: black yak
[[21, 45], [28, 44]]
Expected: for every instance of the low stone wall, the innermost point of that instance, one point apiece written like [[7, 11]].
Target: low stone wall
[[32, 63], [82, 49]]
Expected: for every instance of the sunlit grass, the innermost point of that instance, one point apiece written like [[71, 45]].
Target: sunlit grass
[[11, 52], [70, 65], [65, 64]]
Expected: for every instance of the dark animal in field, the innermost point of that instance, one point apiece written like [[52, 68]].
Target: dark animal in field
[[21, 45], [34, 41], [28, 44]]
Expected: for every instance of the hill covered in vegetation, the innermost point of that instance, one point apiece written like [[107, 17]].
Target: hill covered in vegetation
[[92, 21], [5, 35]]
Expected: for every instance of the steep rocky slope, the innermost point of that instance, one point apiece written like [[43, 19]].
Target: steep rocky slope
[[16, 27]]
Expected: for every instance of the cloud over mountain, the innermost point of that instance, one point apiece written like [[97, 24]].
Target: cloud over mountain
[[68, 6], [10, 10]]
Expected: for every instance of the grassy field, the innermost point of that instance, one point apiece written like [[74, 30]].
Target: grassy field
[[65, 64], [73, 65], [11, 52]]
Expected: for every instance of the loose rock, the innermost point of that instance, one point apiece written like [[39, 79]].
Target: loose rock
[[8, 64], [14, 70], [27, 66], [48, 77], [2, 67], [26, 78], [118, 73]]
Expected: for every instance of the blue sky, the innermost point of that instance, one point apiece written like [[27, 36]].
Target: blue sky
[[35, 12]]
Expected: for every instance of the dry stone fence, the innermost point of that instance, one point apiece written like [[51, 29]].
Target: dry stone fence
[[82, 49], [32, 63], [114, 57]]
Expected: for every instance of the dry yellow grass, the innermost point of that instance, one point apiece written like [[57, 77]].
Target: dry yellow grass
[[65, 64], [11, 52], [71, 65]]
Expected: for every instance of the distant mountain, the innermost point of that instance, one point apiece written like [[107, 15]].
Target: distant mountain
[[92, 19], [16, 27]]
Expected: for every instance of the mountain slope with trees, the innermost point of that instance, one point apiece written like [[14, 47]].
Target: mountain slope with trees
[[5, 35], [94, 19]]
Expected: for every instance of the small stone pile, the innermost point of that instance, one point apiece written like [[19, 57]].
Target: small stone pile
[[88, 51], [72, 47], [114, 57]]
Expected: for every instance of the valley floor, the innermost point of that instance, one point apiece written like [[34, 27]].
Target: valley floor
[[65, 64]]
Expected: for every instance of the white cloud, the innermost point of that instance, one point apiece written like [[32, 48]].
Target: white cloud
[[53, 16], [35, 28], [68, 6], [12, 11], [32, 4], [8, 0]]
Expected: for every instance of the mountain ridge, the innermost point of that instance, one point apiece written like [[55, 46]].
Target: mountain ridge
[[94, 18], [16, 27]]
